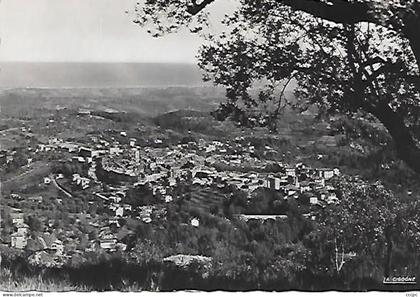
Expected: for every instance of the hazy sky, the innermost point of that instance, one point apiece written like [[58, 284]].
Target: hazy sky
[[86, 30]]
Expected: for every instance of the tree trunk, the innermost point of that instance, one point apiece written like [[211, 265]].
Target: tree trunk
[[404, 143], [388, 256], [411, 31]]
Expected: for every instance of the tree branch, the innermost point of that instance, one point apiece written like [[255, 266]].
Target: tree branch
[[405, 144], [339, 11], [347, 12], [194, 7]]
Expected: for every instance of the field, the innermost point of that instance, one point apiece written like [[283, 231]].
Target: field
[[27, 176], [205, 198]]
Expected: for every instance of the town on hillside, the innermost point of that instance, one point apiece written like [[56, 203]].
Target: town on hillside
[[106, 185]]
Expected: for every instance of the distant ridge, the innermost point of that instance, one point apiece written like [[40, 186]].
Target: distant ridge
[[87, 75]]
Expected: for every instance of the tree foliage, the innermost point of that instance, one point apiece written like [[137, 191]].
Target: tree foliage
[[344, 56], [362, 233]]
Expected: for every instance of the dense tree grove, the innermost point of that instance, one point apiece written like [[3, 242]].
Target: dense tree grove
[[297, 253]]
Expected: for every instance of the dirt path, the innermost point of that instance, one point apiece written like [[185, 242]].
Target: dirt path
[[58, 186]]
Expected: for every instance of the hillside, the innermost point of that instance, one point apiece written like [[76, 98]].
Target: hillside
[[148, 101]]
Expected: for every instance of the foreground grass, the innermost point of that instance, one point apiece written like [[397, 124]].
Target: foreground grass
[[34, 283]]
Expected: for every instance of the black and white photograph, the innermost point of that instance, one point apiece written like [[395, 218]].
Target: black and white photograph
[[209, 146]]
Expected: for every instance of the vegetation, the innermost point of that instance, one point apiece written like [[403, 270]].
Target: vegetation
[[345, 56], [271, 255], [295, 253]]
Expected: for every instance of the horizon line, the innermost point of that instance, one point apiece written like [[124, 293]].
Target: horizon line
[[100, 62]]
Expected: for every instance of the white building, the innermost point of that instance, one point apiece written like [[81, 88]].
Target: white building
[[119, 211], [195, 222], [18, 241], [313, 200]]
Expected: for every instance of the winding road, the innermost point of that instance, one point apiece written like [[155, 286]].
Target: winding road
[[58, 186]]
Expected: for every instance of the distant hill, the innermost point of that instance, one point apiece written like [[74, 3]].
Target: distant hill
[[147, 101], [76, 75]]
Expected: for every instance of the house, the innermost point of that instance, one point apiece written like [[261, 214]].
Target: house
[[305, 187], [18, 241], [78, 160], [332, 198], [273, 183], [108, 242], [115, 221], [119, 211], [168, 198], [136, 154], [246, 218], [71, 147], [290, 171], [121, 246], [121, 194], [313, 200], [22, 229], [81, 181], [186, 260], [54, 141], [147, 220], [115, 150], [145, 215], [309, 216], [17, 218], [325, 173], [195, 222], [85, 152], [115, 199], [83, 111], [320, 182], [290, 190], [57, 246], [14, 196], [172, 181], [210, 148]]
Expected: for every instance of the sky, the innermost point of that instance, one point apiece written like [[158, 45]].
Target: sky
[[87, 31]]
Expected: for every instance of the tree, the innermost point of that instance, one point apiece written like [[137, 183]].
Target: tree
[[34, 224], [369, 213], [352, 57]]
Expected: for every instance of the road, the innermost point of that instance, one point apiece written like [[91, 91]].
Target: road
[[58, 186]]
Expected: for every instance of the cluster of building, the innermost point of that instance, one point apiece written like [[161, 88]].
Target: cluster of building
[[162, 168], [19, 238], [301, 179]]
